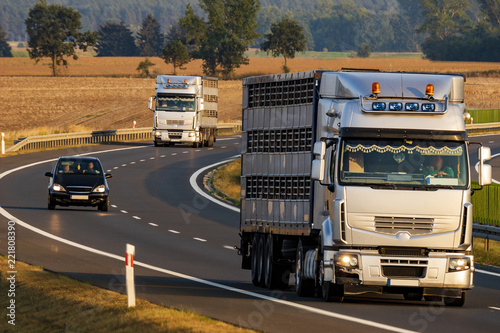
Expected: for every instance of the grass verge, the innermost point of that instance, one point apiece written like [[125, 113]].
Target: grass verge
[[490, 257], [226, 180], [49, 302]]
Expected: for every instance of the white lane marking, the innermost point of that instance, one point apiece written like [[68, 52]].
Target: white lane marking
[[494, 308], [210, 149], [132, 162], [229, 247], [223, 147], [142, 161], [108, 170], [174, 231], [123, 211], [124, 165], [491, 141], [187, 277], [185, 152], [199, 239], [114, 206], [173, 154], [198, 150], [115, 168], [195, 186], [162, 155], [152, 158], [487, 272], [136, 217], [153, 224]]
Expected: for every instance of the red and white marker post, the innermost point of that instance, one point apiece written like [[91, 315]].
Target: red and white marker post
[[3, 143], [134, 124], [129, 275]]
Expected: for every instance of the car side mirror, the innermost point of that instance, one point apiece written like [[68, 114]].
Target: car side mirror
[[49, 174], [108, 175]]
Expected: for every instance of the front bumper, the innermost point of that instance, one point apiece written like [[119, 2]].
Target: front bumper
[[167, 136], [431, 272], [78, 199]]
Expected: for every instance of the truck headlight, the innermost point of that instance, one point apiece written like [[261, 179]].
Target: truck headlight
[[346, 260], [458, 264], [191, 134], [157, 133]]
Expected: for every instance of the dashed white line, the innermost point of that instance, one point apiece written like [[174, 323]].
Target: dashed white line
[[491, 142], [142, 160], [124, 211], [229, 247], [173, 154], [124, 165], [494, 308], [114, 206], [108, 170], [153, 224], [162, 156], [199, 239], [115, 168], [174, 231], [152, 158], [198, 150], [185, 152], [132, 162], [136, 217], [210, 149]]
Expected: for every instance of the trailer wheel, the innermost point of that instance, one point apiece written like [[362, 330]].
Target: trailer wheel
[[210, 141], [449, 301], [276, 275], [255, 260], [303, 287]]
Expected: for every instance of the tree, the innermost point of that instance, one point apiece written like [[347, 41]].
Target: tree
[[444, 18], [364, 50], [491, 11], [286, 38], [115, 40], [190, 30], [223, 39], [143, 67], [5, 49], [149, 37], [176, 53], [53, 32]]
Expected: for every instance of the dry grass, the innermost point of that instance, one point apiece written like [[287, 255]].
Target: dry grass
[[101, 93], [227, 179], [48, 302]]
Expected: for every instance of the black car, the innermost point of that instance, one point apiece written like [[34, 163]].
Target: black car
[[78, 181]]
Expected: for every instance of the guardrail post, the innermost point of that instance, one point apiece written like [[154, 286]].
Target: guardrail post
[[3, 143], [129, 275]]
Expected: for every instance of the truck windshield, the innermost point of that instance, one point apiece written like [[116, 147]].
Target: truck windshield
[[175, 103], [403, 163]]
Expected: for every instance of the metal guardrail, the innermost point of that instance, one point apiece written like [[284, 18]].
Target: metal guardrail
[[95, 137], [486, 231], [485, 127]]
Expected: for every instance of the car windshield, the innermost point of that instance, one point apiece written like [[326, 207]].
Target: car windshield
[[403, 163], [74, 166], [175, 103]]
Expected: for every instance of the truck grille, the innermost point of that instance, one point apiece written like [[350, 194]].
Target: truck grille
[[403, 252], [412, 225], [175, 135], [175, 122], [403, 271]]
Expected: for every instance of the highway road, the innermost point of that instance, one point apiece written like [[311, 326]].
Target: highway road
[[184, 246]]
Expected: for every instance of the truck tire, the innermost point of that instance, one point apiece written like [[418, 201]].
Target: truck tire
[[332, 292], [303, 287], [262, 271], [210, 141], [276, 275], [449, 301], [255, 260]]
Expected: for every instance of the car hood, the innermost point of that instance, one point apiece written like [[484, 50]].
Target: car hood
[[79, 180]]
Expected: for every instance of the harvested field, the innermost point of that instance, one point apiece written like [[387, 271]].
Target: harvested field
[[105, 93]]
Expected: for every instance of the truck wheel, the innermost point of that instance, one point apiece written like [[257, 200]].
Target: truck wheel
[[276, 276], [262, 269], [210, 141], [332, 292], [449, 301], [303, 286], [255, 260], [196, 144]]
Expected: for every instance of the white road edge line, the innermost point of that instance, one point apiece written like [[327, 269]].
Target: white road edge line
[[195, 186], [494, 308]]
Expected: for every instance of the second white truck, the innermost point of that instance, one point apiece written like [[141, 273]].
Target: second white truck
[[185, 110]]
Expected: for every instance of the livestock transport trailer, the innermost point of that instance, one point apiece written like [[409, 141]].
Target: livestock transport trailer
[[358, 181]]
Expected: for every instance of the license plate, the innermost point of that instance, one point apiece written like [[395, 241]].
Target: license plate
[[79, 197]]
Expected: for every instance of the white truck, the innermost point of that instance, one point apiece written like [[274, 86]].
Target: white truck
[[185, 110], [358, 181]]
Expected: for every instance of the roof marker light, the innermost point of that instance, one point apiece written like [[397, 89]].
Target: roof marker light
[[375, 88], [429, 90], [168, 80], [185, 81]]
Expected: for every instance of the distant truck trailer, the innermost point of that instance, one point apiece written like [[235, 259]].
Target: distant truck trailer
[[358, 181], [185, 110]]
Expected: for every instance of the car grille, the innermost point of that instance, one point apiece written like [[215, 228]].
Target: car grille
[[79, 189], [412, 225]]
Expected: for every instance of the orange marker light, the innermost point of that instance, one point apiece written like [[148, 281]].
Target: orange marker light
[[376, 88], [429, 90], [185, 81], [168, 80]]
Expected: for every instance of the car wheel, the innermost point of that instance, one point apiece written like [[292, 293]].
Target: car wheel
[[50, 204], [104, 206]]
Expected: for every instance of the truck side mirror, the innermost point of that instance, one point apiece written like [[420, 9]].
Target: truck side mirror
[[318, 164], [485, 173], [150, 104]]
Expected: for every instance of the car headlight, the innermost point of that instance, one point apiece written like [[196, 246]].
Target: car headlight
[[458, 264], [58, 188], [346, 260], [100, 189]]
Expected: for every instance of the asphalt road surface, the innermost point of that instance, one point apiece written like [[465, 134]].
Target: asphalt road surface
[[184, 244]]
